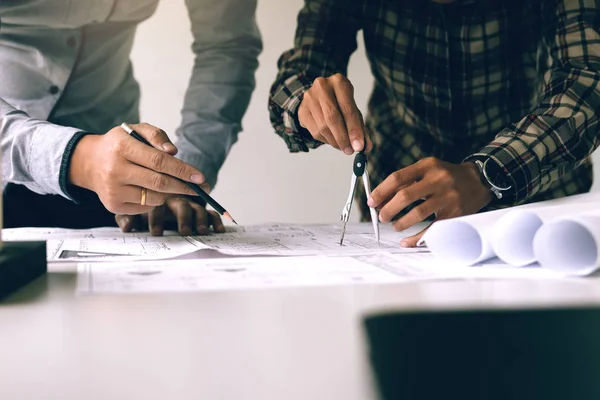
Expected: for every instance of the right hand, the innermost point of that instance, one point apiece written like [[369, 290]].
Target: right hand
[[116, 166], [330, 114]]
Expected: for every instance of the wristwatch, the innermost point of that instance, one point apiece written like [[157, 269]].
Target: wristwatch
[[493, 177]]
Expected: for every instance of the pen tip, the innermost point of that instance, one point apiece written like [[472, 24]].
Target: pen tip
[[229, 217]]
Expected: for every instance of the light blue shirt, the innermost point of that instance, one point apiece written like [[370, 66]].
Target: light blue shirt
[[65, 69]]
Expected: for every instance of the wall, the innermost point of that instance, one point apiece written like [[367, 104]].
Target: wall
[[260, 181]]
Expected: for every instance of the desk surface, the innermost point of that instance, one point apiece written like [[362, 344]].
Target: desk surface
[[299, 343]]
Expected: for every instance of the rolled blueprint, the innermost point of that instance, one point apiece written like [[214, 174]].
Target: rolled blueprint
[[469, 240], [570, 245], [464, 240], [512, 239]]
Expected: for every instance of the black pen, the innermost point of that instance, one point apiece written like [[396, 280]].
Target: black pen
[[199, 191]]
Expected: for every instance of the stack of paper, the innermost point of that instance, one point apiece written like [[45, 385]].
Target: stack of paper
[[110, 244], [263, 256], [562, 235]]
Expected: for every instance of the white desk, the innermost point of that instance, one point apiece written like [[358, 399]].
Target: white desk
[[275, 344]]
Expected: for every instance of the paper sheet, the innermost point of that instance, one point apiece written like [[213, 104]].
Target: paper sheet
[[271, 272], [102, 244], [297, 240], [227, 274], [468, 240], [107, 244]]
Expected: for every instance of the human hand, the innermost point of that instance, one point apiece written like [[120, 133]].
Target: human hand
[[178, 213], [330, 114], [117, 167], [448, 190]]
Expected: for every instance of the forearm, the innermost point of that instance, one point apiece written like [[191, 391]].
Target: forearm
[[35, 153], [563, 130], [226, 47]]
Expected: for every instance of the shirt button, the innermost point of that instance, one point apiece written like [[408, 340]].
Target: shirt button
[[71, 42], [54, 89]]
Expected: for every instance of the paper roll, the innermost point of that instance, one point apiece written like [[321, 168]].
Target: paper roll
[[570, 245], [514, 232], [464, 241]]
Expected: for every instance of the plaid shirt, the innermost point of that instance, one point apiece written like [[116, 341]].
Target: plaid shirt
[[517, 81]]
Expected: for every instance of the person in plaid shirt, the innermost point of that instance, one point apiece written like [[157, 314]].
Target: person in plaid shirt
[[476, 104]]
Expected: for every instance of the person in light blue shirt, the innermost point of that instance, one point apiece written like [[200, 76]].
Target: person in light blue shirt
[[66, 85]]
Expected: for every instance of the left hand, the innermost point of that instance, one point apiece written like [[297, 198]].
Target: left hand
[[448, 190], [178, 213]]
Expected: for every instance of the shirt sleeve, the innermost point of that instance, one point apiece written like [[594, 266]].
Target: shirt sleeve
[[325, 40], [563, 130], [226, 45], [35, 153]]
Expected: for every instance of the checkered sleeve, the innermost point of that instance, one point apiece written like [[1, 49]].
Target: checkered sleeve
[[563, 130], [325, 39]]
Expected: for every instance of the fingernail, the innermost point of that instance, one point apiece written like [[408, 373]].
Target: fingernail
[[185, 231], [357, 145], [404, 243], [202, 229], [348, 150], [197, 178], [371, 202], [380, 218], [169, 147]]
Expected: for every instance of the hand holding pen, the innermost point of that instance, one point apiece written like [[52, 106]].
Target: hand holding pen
[[131, 177]]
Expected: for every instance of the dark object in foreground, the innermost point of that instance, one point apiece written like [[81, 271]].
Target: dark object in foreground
[[20, 263], [503, 354]]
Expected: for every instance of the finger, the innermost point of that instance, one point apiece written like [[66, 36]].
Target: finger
[[304, 115], [310, 124], [216, 221], [126, 222], [392, 184], [133, 194], [156, 221], [412, 241], [134, 175], [321, 127], [185, 215], [335, 120], [156, 136], [164, 163], [201, 215], [403, 198], [354, 128], [418, 214]]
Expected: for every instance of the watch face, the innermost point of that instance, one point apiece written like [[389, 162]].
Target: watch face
[[496, 175]]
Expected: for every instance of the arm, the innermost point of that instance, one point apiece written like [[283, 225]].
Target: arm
[[35, 153], [564, 129], [325, 39], [226, 45]]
